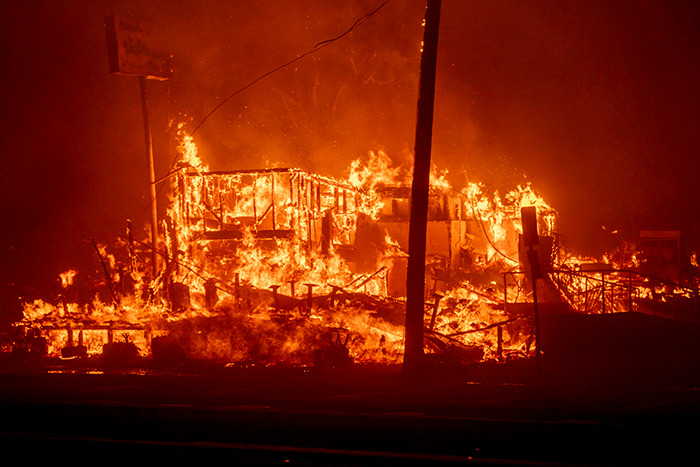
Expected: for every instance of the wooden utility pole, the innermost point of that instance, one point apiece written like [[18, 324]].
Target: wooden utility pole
[[415, 282]]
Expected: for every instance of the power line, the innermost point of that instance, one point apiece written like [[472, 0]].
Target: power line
[[317, 47]]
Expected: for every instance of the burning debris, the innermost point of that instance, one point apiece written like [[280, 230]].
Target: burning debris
[[285, 267], [282, 266]]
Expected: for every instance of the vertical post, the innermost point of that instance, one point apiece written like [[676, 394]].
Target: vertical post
[[255, 195], [309, 295], [292, 200], [535, 274], [222, 215], [275, 297], [630, 289], [530, 238], [237, 290], [202, 206], [415, 282], [613, 308], [130, 246], [499, 341], [603, 294], [272, 199], [151, 178]]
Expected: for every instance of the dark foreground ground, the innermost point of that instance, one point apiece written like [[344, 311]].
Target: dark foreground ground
[[503, 415]]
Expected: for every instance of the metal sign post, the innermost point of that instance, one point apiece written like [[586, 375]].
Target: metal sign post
[[131, 54], [151, 179]]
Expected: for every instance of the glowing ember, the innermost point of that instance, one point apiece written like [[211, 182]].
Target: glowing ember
[[67, 277]]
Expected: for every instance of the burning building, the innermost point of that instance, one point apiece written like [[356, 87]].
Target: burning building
[[285, 266]]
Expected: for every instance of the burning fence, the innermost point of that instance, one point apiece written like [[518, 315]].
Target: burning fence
[[283, 266]]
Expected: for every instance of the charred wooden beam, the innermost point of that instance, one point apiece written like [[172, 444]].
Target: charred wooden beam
[[370, 277], [436, 306], [484, 328]]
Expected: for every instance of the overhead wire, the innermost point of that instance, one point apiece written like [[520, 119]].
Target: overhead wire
[[316, 48], [319, 46]]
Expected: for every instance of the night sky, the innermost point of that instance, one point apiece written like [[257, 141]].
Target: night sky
[[596, 103]]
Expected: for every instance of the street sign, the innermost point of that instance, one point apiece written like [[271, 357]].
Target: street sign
[[130, 51]]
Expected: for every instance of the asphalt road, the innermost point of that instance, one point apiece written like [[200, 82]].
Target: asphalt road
[[353, 417]]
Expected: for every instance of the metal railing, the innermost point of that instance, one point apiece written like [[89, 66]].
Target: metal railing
[[601, 291]]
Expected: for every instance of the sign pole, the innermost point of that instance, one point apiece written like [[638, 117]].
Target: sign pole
[[151, 178], [130, 53]]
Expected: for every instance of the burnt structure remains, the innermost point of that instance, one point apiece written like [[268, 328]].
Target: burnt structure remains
[[214, 212], [283, 254]]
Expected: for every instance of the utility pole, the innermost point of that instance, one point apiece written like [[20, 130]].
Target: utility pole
[[415, 282]]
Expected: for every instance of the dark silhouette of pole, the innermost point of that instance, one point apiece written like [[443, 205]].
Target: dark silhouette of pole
[[415, 282], [528, 217]]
